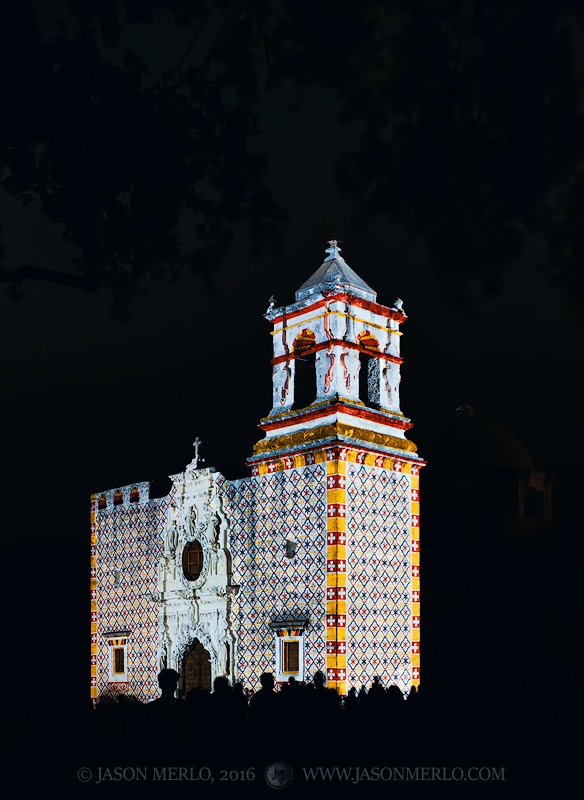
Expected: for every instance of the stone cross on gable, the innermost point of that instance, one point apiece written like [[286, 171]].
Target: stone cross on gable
[[196, 444]]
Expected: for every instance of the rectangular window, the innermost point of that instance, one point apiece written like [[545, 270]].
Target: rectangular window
[[119, 666], [289, 652], [291, 657]]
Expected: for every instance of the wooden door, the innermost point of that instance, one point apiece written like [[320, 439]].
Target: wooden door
[[197, 669]]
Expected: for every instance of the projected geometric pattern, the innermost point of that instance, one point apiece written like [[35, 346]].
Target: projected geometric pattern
[[265, 511], [125, 555], [379, 576], [354, 518]]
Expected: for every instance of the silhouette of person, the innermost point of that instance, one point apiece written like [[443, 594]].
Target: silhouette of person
[[222, 701], [323, 701], [262, 705], [170, 713], [168, 681], [167, 705], [240, 702], [376, 694], [352, 702]]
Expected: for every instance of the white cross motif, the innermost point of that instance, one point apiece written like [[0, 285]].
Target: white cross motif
[[342, 620], [415, 647], [330, 674], [330, 566], [342, 454], [330, 621], [415, 495], [397, 466], [416, 596], [271, 466], [331, 594], [341, 567], [330, 648], [415, 521], [415, 571], [416, 622], [341, 592], [341, 511], [331, 481], [289, 463], [342, 647], [331, 537], [341, 674], [415, 545], [341, 538]]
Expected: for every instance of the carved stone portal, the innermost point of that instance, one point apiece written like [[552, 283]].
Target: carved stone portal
[[196, 613]]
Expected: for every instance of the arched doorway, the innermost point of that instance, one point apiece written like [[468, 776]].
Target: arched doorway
[[197, 668]]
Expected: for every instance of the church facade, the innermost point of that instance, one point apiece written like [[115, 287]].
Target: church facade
[[312, 562]]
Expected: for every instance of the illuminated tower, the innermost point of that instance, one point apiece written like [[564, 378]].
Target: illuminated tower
[[336, 375]]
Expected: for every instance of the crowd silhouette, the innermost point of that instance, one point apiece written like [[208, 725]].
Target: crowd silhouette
[[534, 736], [235, 723], [309, 723]]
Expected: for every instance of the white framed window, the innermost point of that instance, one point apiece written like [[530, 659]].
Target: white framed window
[[117, 658], [289, 647], [289, 657]]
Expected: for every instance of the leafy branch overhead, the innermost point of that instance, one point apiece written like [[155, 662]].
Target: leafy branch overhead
[[120, 157], [472, 133]]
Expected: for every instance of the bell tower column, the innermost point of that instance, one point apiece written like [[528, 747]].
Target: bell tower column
[[283, 366]]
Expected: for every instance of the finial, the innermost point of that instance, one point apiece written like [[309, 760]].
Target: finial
[[399, 304], [271, 303], [196, 444], [333, 250]]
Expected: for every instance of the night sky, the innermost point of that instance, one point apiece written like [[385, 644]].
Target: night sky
[[89, 399], [90, 403]]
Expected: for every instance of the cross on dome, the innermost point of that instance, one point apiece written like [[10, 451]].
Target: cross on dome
[[333, 249]]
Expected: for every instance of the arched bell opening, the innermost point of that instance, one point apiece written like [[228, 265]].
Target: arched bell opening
[[369, 380], [304, 380]]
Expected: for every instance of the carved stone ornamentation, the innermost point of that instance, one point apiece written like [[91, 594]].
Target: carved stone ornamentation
[[196, 609]]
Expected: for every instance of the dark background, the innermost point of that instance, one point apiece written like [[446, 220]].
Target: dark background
[[90, 402]]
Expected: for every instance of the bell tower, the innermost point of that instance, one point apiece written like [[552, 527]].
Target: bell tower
[[336, 419], [336, 365]]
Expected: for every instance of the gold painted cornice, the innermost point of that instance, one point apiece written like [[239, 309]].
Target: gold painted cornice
[[336, 429]]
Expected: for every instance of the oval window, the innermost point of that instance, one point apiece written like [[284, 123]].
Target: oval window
[[192, 560]]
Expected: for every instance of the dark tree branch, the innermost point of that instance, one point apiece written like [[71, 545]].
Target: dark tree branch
[[195, 37], [28, 272], [192, 72]]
